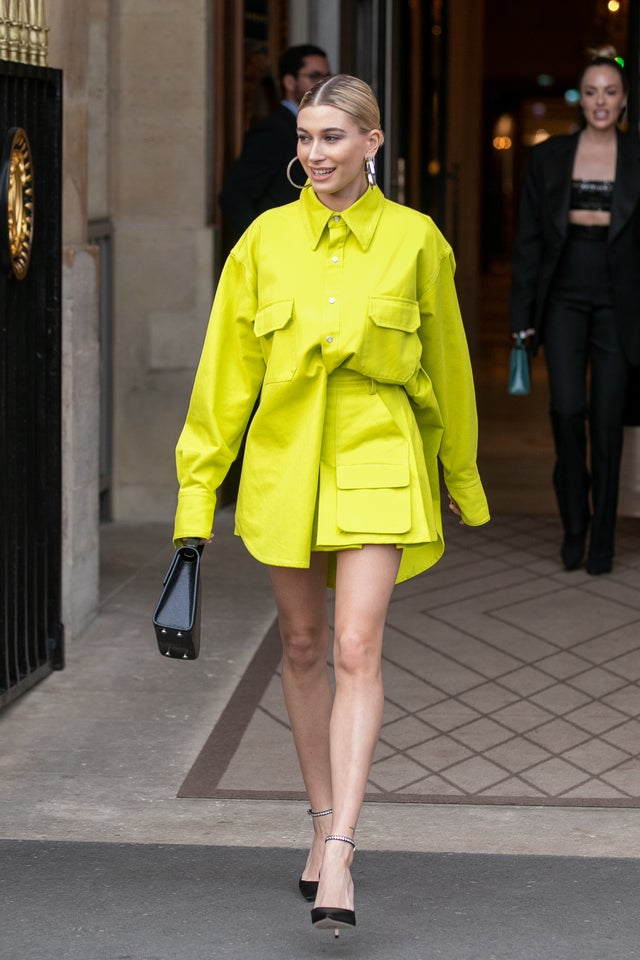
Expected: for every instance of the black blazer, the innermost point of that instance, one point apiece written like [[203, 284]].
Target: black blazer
[[258, 179], [542, 233]]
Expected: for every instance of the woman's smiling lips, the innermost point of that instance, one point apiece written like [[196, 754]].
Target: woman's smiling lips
[[321, 173]]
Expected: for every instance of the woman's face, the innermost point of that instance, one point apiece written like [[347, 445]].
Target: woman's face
[[602, 96], [332, 150]]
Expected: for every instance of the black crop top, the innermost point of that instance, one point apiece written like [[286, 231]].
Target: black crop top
[[591, 194]]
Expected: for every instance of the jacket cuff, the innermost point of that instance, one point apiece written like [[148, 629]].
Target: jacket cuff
[[472, 501], [194, 516]]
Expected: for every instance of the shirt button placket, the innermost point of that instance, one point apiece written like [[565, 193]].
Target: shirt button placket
[[337, 236]]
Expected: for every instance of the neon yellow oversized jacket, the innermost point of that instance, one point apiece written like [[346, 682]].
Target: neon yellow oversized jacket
[[303, 292]]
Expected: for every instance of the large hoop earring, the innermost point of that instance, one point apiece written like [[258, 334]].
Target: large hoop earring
[[370, 167], [298, 186]]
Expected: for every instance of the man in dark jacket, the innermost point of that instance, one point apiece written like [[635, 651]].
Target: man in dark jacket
[[258, 179]]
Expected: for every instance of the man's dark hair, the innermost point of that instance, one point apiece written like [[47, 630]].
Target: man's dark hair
[[292, 60]]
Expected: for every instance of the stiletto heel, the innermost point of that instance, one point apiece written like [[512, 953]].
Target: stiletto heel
[[334, 918], [309, 888]]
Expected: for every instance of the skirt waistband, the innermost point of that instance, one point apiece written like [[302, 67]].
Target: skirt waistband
[[579, 231]]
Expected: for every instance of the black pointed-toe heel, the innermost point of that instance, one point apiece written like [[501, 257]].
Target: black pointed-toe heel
[[599, 565], [572, 550], [309, 888], [334, 918]]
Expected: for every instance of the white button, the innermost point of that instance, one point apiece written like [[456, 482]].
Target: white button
[[336, 219], [332, 299], [329, 339], [334, 259]]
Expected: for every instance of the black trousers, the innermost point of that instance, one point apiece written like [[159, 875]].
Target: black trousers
[[588, 373]]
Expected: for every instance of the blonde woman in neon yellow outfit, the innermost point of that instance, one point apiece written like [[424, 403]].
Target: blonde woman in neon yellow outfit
[[339, 313]]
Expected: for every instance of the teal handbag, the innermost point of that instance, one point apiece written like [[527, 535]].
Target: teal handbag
[[519, 370]]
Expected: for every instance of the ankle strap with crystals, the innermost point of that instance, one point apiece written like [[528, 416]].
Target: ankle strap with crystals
[[337, 836]]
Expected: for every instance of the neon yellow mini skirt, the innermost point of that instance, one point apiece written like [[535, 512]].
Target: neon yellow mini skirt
[[373, 485]]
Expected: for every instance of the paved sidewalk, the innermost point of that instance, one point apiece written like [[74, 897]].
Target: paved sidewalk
[[102, 862], [97, 752]]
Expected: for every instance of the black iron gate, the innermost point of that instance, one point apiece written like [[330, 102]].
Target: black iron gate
[[31, 634]]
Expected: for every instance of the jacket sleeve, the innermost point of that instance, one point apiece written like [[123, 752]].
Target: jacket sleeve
[[226, 386], [445, 360], [527, 252]]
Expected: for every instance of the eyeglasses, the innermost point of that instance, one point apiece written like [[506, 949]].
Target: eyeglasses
[[314, 76]]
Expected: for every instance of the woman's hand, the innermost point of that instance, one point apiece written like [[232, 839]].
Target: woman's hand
[[453, 506], [523, 334], [194, 541]]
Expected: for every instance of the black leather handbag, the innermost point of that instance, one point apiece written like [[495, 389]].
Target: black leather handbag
[[177, 616]]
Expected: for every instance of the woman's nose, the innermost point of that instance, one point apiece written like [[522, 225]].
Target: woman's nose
[[316, 150]]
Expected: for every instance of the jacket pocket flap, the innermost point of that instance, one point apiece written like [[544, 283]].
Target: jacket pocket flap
[[360, 476], [395, 313], [273, 317]]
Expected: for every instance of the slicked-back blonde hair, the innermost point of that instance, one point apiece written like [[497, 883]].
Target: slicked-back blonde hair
[[350, 94]]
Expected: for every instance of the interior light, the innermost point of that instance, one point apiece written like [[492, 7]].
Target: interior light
[[544, 80], [572, 96], [613, 6]]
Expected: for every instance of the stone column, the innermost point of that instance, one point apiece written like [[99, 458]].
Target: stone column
[[68, 23], [160, 159]]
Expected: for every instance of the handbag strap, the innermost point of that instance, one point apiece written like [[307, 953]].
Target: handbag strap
[[185, 553]]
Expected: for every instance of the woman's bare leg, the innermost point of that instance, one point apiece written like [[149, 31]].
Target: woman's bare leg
[[301, 598], [364, 583]]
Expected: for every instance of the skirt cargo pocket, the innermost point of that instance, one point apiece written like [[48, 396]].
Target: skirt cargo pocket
[[373, 498]]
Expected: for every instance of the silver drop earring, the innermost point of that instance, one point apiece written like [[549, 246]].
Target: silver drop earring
[[298, 186], [370, 167]]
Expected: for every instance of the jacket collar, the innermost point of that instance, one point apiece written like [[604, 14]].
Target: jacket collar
[[361, 217], [558, 168]]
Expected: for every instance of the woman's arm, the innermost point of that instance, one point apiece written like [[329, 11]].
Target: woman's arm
[[225, 389], [527, 253]]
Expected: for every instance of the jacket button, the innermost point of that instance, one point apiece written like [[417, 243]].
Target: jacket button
[[329, 339]]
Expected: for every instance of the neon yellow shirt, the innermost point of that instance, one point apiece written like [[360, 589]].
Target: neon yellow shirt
[[304, 293]]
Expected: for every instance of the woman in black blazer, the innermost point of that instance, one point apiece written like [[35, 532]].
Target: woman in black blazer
[[575, 289]]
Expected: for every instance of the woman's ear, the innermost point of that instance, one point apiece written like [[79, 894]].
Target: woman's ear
[[375, 142]]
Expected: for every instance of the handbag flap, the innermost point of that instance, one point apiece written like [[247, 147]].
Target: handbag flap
[[177, 605]]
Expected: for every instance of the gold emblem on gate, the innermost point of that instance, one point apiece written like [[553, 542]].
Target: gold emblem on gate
[[16, 202]]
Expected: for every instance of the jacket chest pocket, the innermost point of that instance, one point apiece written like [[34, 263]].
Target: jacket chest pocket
[[391, 350], [275, 329]]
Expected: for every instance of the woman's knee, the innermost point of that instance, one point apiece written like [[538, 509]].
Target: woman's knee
[[357, 652], [303, 648]]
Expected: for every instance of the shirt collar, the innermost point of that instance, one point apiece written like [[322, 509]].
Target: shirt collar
[[361, 217], [290, 106]]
